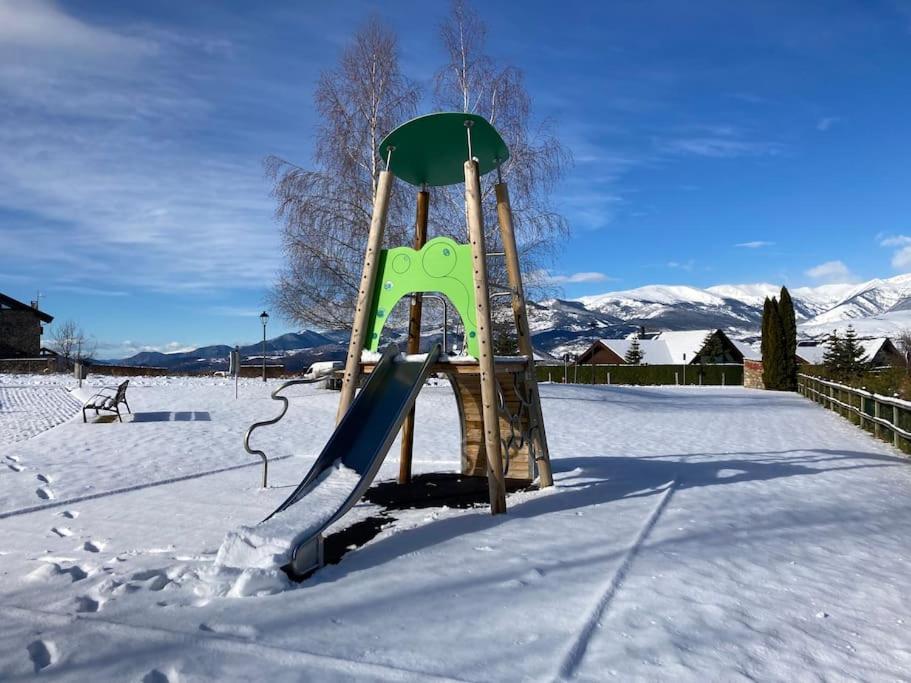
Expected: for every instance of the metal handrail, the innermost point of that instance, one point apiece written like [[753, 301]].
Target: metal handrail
[[255, 425]]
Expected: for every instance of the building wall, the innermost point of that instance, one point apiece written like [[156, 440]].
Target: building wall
[[21, 331], [752, 374]]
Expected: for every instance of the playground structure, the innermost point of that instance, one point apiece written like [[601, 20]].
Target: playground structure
[[503, 435]]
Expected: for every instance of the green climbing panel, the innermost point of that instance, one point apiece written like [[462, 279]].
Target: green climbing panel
[[443, 266]]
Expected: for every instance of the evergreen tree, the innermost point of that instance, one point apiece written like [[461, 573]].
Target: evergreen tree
[[713, 350], [764, 339], [833, 353], [789, 329], [851, 354], [774, 359], [634, 354]]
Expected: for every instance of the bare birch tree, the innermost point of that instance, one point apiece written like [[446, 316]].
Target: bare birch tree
[[472, 81], [325, 212]]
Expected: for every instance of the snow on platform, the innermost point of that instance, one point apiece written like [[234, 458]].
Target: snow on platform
[[694, 534]]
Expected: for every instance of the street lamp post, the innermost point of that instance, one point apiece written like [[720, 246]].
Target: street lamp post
[[264, 318]]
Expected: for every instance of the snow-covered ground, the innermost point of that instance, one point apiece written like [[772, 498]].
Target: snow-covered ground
[[693, 534]]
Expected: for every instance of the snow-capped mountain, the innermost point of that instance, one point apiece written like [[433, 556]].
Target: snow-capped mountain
[[878, 307]]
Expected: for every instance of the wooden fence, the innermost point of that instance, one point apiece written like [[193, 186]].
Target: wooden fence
[[885, 417]]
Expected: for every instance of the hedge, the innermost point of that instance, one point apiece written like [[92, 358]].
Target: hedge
[[644, 374]]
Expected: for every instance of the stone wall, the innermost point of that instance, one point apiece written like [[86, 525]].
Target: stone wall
[[21, 332], [752, 374]]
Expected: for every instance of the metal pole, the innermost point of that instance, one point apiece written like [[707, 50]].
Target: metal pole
[[236, 368], [264, 352]]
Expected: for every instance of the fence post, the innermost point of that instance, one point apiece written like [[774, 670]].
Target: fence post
[[722, 378], [676, 378], [608, 377], [896, 439], [877, 429]]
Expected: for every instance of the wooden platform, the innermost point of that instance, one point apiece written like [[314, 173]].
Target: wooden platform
[[514, 425]]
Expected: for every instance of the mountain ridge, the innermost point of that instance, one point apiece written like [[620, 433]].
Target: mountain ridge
[[878, 307]]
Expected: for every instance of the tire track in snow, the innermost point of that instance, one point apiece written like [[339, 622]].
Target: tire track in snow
[[129, 489], [576, 651]]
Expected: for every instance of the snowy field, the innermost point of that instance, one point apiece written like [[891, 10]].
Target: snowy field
[[693, 534]]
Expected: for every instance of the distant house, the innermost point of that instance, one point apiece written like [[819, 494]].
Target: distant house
[[878, 351], [667, 348], [20, 328]]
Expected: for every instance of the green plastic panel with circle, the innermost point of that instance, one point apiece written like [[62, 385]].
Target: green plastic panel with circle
[[432, 149], [443, 266]]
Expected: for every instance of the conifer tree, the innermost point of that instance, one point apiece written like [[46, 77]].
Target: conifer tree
[[764, 335], [634, 354], [852, 354], [774, 356], [789, 330], [833, 353], [713, 350]]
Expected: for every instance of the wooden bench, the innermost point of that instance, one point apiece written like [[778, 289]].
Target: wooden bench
[[104, 400]]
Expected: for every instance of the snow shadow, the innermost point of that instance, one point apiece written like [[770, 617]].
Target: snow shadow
[[663, 398], [595, 480], [165, 416]]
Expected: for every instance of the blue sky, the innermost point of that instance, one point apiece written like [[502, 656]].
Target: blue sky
[[714, 142]]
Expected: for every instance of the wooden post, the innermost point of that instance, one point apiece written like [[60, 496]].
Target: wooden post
[[896, 439], [877, 428], [414, 339], [490, 414], [520, 315], [365, 293]]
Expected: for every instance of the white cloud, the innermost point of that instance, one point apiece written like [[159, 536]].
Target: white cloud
[[901, 258], [682, 265], [100, 155], [826, 122], [756, 244], [574, 278], [235, 311], [723, 148], [831, 271]]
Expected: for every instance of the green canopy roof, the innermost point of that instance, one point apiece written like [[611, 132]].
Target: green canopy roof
[[432, 149]]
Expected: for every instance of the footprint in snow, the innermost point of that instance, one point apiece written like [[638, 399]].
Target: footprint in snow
[[151, 579], [61, 531], [69, 514], [14, 467], [236, 630], [93, 546], [44, 493], [158, 676], [51, 570], [13, 458], [86, 604], [43, 478], [43, 654]]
